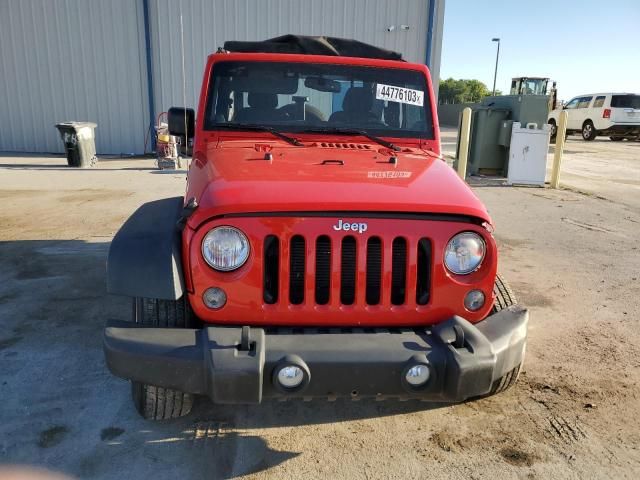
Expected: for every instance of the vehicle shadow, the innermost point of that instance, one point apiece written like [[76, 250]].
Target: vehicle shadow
[[228, 442], [53, 306]]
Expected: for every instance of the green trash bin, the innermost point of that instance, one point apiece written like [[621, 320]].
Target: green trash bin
[[79, 143]]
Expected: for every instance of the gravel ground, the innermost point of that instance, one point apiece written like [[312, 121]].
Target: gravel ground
[[571, 255]]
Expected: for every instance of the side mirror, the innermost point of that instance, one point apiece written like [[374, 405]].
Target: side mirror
[[181, 119]]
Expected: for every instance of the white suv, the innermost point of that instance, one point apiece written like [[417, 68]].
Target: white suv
[[614, 114]]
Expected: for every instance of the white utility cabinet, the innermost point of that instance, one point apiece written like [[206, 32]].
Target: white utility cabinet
[[528, 154]]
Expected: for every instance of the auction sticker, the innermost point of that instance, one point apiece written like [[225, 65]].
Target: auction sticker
[[399, 94]]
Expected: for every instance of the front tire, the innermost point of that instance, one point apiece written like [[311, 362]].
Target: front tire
[[152, 402], [504, 298], [588, 131]]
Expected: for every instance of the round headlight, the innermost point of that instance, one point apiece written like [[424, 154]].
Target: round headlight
[[464, 253], [225, 248]]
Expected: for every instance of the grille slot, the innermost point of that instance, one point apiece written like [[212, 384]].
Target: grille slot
[[398, 271], [296, 270], [423, 283], [374, 270], [348, 271], [271, 269], [323, 269]]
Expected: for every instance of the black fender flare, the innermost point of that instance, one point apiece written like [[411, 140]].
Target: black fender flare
[[145, 256]]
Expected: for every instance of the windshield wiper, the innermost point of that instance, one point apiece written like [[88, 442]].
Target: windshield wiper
[[353, 131], [259, 128]]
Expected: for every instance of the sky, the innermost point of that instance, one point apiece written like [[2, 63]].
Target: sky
[[586, 46]]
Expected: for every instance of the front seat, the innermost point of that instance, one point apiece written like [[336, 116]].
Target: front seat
[[262, 108], [356, 107]]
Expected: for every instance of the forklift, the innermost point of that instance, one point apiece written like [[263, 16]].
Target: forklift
[[535, 86]]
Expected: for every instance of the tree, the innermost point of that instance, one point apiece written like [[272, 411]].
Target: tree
[[462, 91]]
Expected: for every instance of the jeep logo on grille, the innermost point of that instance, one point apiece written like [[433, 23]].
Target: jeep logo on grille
[[353, 227]]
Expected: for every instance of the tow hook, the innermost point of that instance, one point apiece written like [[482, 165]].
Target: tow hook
[[245, 340], [458, 342]]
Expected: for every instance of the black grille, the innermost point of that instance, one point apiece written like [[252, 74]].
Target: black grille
[[296, 270], [326, 251], [323, 269], [423, 284], [374, 270], [271, 269], [348, 271], [398, 271]]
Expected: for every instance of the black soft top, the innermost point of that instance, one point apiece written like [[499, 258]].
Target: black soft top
[[306, 45]]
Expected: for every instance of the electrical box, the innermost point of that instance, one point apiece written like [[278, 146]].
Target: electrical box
[[492, 126], [504, 135], [486, 155], [528, 155], [525, 109]]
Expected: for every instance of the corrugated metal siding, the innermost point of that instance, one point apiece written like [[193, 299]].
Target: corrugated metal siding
[[85, 59], [208, 23], [438, 31], [72, 60]]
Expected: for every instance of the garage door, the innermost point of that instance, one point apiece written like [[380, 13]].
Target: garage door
[[74, 60]]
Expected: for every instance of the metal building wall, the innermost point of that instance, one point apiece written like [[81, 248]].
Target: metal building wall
[[436, 44], [208, 23], [86, 59], [72, 60]]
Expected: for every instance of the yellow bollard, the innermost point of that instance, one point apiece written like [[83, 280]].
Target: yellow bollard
[[463, 142], [557, 156]]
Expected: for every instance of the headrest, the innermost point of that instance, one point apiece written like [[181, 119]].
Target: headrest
[[358, 99], [263, 101]]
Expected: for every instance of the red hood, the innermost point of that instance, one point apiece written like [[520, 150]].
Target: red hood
[[235, 178]]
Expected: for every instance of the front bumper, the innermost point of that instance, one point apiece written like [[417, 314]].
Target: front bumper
[[464, 359]]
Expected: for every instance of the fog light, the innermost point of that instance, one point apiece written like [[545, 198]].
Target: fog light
[[474, 300], [214, 298], [290, 376], [417, 375]]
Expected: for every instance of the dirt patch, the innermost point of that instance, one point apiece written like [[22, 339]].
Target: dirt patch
[[7, 193], [510, 243], [110, 433], [529, 296], [517, 457], [93, 195], [587, 226], [448, 442], [52, 436]]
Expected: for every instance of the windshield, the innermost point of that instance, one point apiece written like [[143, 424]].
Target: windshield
[[294, 97], [625, 101]]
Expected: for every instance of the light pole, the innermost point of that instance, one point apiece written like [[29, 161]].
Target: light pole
[[495, 73]]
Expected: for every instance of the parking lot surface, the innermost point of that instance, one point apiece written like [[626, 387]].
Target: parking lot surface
[[571, 255]]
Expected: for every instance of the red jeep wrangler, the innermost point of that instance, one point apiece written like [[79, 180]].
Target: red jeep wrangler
[[323, 248]]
